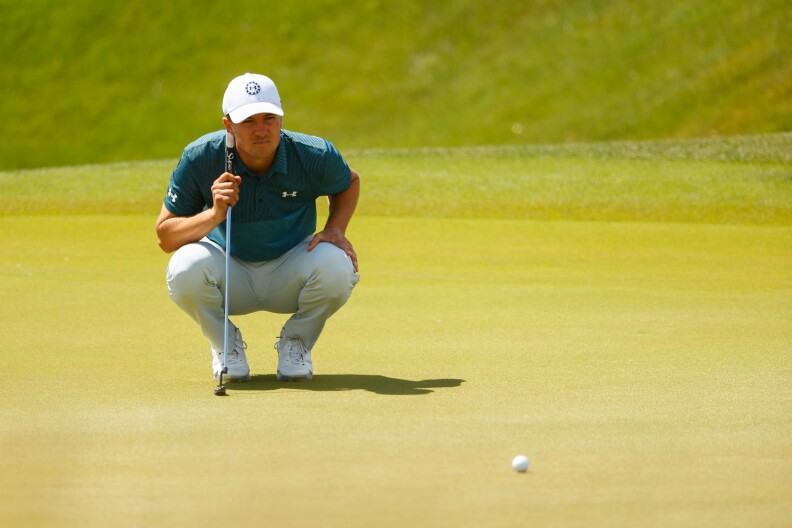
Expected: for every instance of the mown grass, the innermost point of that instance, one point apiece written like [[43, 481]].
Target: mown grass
[[643, 367], [745, 179]]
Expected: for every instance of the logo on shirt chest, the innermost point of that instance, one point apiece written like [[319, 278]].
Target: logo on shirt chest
[[292, 194]]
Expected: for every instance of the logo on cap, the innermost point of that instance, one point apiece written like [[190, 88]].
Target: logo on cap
[[252, 88]]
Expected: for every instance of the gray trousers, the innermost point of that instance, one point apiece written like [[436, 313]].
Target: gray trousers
[[311, 286]]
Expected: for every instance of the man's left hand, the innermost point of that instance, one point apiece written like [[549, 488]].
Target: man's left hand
[[337, 238]]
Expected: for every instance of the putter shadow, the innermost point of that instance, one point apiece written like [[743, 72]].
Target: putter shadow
[[344, 382]]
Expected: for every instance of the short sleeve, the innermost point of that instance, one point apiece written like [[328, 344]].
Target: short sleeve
[[183, 197], [337, 175]]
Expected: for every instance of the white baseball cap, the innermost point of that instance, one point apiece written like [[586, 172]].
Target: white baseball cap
[[251, 94]]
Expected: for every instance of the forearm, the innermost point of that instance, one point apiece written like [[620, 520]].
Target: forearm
[[174, 232], [342, 206]]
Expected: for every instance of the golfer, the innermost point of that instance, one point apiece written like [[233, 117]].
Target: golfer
[[278, 264]]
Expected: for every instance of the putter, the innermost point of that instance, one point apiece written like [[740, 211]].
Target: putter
[[229, 166]]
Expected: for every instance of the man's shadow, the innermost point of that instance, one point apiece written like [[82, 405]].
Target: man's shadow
[[344, 382]]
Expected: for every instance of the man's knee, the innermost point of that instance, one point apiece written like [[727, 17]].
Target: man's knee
[[335, 273], [192, 267]]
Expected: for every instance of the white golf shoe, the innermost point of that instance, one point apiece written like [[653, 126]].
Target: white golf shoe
[[238, 369], [294, 360]]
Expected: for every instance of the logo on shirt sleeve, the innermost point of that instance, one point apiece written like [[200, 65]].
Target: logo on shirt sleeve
[[172, 195], [292, 194]]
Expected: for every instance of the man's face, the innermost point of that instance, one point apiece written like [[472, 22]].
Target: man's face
[[257, 137]]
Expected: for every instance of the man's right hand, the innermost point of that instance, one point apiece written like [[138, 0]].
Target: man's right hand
[[175, 231], [225, 193]]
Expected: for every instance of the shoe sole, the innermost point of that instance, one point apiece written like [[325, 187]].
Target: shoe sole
[[306, 377]]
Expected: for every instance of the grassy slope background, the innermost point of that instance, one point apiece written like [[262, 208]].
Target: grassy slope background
[[91, 81]]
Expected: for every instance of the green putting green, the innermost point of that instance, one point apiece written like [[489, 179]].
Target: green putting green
[[643, 368]]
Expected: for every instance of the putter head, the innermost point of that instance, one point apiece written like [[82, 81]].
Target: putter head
[[220, 390]]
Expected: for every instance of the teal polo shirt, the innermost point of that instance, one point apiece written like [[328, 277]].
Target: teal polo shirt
[[275, 211]]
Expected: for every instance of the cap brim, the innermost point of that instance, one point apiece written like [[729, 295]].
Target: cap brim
[[243, 112]]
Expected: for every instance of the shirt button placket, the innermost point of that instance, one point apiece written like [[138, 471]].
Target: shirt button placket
[[259, 196]]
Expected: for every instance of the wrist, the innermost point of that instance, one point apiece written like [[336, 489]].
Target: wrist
[[334, 228], [217, 214]]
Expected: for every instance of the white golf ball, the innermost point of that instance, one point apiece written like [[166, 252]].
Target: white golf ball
[[520, 463]]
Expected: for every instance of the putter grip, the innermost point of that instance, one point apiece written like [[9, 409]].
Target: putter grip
[[230, 153]]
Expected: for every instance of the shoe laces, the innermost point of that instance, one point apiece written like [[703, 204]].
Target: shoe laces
[[233, 354], [295, 350]]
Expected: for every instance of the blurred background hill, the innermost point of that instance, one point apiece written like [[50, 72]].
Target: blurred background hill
[[103, 81]]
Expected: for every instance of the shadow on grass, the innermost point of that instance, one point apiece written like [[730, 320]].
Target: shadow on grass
[[344, 382]]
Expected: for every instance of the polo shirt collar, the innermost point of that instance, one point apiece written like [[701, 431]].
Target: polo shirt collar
[[279, 164]]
